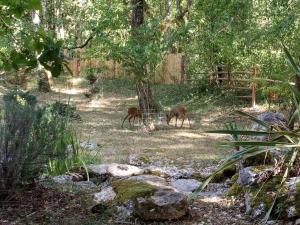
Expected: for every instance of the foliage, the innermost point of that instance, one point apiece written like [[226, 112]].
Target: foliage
[[30, 46], [32, 142], [63, 110], [16, 96]]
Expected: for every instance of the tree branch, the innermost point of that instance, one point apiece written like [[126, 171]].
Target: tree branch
[[81, 46]]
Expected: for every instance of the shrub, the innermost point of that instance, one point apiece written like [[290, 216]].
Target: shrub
[[32, 142], [64, 110]]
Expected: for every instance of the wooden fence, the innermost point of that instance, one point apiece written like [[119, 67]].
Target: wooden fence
[[171, 70]]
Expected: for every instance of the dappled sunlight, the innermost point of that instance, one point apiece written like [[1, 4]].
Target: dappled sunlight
[[70, 91]]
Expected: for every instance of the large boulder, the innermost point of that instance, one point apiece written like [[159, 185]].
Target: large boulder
[[164, 204], [115, 170]]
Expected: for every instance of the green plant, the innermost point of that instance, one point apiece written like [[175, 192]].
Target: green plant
[[33, 142], [20, 97], [64, 110]]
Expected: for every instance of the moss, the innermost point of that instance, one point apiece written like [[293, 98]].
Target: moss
[[236, 190], [264, 192], [144, 159], [297, 199], [130, 190]]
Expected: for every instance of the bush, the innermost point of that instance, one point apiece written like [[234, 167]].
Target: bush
[[32, 142], [64, 110], [19, 97]]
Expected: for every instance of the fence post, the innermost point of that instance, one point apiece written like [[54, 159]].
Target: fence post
[[254, 87]]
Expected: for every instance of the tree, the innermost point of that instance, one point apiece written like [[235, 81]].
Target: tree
[[145, 97]]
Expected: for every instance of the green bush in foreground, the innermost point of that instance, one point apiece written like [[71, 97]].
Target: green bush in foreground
[[33, 141]]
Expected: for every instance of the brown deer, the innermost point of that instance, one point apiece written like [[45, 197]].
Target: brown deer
[[178, 112], [132, 112]]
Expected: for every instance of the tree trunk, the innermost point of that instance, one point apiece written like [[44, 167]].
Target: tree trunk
[[146, 101]]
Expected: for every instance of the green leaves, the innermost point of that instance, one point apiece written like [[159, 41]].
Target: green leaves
[[295, 67]]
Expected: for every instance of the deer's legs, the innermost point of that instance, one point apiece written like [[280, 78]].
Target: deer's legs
[[124, 120]]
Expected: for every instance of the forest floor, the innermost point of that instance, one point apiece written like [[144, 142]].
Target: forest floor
[[102, 116]]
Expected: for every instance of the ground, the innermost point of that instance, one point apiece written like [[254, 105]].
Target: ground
[[102, 116]]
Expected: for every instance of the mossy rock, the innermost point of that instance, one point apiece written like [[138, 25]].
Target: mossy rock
[[264, 192], [130, 190], [236, 190], [297, 199], [225, 174], [256, 160]]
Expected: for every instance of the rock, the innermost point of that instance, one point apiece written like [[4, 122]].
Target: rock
[[297, 222], [291, 212], [138, 160], [115, 170], [253, 175], [85, 185], [171, 172], [271, 119], [89, 145], [150, 179], [185, 185], [104, 196], [164, 204], [259, 211], [124, 211], [62, 179], [128, 189]]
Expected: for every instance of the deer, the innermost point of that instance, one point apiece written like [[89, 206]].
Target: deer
[[132, 112], [178, 112]]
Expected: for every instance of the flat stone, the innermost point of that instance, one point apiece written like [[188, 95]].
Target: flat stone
[[105, 195], [185, 185], [115, 170], [150, 179], [171, 172], [164, 204], [62, 179], [85, 184]]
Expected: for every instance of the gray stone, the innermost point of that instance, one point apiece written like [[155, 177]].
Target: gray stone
[[150, 179], [105, 195], [62, 179], [115, 170], [85, 185], [259, 211], [247, 176], [185, 185], [291, 212], [171, 172], [136, 160], [124, 211], [271, 119], [297, 222], [165, 204]]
